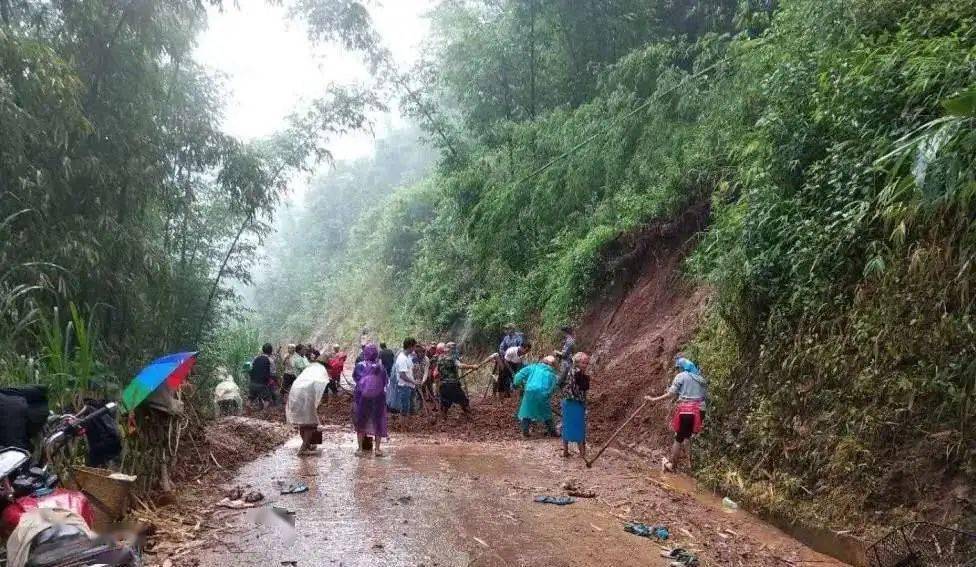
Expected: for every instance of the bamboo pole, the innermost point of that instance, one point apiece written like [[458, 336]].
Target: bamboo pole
[[589, 462]]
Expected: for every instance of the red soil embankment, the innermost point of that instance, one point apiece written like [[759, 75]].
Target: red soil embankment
[[634, 330]]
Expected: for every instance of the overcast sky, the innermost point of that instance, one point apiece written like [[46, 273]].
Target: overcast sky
[[270, 67]]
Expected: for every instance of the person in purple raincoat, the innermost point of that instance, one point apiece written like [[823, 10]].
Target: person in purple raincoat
[[369, 399]]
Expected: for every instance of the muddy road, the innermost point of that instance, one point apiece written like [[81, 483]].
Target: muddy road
[[435, 501]]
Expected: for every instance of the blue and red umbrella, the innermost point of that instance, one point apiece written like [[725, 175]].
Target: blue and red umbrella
[[171, 370]]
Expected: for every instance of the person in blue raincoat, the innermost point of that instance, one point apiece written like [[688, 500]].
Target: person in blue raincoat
[[538, 382]]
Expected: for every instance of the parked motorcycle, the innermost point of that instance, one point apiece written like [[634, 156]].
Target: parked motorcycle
[[47, 525]]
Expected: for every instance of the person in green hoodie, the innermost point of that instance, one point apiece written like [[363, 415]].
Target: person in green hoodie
[[538, 382]]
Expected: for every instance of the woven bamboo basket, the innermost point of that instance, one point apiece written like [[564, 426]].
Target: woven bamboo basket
[[112, 491]]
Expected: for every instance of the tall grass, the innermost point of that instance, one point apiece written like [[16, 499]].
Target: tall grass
[[68, 358], [231, 348]]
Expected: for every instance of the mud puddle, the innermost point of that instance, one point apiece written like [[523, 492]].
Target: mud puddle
[[844, 547]]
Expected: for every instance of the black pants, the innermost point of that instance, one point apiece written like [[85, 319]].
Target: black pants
[[452, 393], [286, 381], [260, 392], [506, 374], [686, 426], [333, 386]]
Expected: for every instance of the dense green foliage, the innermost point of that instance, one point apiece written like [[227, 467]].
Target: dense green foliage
[[459, 270], [834, 141], [119, 193], [843, 351]]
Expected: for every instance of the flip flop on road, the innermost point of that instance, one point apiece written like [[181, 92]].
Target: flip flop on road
[[295, 488], [681, 558], [644, 530], [557, 500]]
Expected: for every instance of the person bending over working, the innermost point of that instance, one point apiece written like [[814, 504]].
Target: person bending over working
[[538, 381], [690, 390], [405, 381], [574, 404], [448, 371], [511, 361], [301, 409], [369, 399]]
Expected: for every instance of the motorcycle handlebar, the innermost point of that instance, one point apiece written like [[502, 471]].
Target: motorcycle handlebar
[[76, 425]]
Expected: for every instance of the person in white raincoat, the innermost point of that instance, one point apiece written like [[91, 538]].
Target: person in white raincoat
[[227, 394], [303, 402]]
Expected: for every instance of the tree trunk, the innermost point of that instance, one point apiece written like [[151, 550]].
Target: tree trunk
[[220, 273]]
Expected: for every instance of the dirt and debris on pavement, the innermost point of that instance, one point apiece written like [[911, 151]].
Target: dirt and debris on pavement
[[178, 519], [437, 500]]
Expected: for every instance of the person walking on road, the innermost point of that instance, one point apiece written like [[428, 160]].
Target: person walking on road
[[690, 392], [538, 382], [574, 391], [369, 399]]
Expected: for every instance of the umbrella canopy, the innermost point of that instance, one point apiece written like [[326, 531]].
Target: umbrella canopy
[[171, 369]]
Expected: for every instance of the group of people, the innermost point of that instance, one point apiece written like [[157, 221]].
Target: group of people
[[384, 382], [266, 388]]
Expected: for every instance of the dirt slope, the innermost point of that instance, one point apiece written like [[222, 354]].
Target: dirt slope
[[634, 330]]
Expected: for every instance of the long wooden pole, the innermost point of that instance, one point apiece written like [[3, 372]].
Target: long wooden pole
[[472, 371], [589, 462]]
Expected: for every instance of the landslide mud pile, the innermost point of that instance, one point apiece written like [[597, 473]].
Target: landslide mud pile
[[634, 331]]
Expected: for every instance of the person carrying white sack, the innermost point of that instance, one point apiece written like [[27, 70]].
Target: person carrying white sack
[[302, 407], [227, 394]]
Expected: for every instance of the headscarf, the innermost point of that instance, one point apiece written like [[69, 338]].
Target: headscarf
[[370, 352], [369, 375], [581, 358], [686, 365]]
